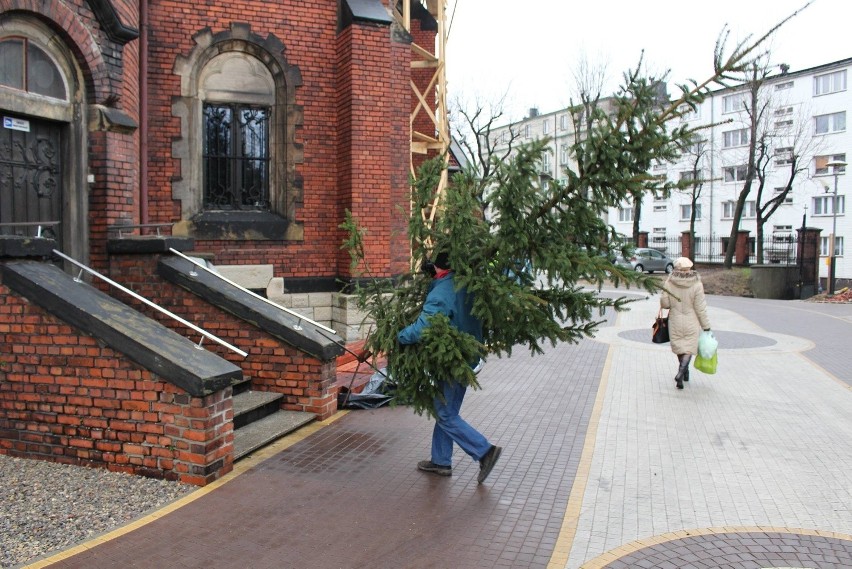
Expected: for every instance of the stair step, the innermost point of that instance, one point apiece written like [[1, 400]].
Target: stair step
[[250, 406], [241, 385], [271, 428]]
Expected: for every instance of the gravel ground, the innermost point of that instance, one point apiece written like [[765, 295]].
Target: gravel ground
[[47, 507]]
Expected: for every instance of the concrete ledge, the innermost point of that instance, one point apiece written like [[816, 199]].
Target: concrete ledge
[[147, 244], [145, 341], [256, 311], [16, 246], [774, 281]]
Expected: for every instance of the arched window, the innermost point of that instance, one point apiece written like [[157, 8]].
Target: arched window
[[238, 149], [25, 66], [238, 94]]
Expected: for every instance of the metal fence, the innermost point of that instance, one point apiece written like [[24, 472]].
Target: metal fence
[[777, 248]]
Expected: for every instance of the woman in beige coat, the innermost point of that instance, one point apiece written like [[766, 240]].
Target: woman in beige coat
[[683, 295]]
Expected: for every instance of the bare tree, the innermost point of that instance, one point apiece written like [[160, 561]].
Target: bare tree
[[474, 128], [788, 145], [756, 108], [776, 136], [692, 181]]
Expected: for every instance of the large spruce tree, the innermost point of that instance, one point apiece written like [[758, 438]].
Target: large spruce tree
[[535, 253]]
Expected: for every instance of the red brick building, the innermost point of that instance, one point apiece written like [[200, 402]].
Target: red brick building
[[135, 93], [243, 128]]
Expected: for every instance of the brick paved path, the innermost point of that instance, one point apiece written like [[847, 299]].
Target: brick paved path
[[605, 464]]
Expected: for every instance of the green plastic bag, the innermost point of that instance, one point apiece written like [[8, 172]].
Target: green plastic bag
[[707, 365]]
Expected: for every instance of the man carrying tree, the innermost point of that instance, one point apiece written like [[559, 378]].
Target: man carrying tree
[[456, 305]]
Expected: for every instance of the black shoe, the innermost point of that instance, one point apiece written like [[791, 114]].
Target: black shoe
[[679, 383], [487, 463], [686, 375], [439, 469]]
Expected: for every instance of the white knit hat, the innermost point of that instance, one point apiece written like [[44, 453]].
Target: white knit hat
[[682, 263]]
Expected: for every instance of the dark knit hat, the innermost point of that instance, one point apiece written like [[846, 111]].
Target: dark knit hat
[[442, 261]]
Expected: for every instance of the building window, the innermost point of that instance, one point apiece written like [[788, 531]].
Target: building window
[[788, 199], [236, 157], [735, 173], [687, 112], [686, 212], [730, 207], [734, 138], [545, 127], [825, 246], [545, 163], [695, 148], [690, 176], [563, 122], [830, 83], [26, 67], [824, 205], [783, 155], [734, 103], [783, 124], [821, 167], [563, 154], [783, 111], [834, 122], [625, 214], [660, 207], [527, 131], [238, 120], [784, 85]]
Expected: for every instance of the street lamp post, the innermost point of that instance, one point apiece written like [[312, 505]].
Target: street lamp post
[[835, 165]]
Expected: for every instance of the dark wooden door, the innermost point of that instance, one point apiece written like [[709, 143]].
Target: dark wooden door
[[30, 176]]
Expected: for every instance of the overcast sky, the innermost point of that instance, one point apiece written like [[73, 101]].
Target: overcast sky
[[527, 49]]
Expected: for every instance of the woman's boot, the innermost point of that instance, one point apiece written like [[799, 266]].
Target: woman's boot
[[683, 370]]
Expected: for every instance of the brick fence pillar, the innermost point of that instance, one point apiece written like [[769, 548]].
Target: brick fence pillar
[[643, 239], [741, 254], [807, 252], [686, 245]]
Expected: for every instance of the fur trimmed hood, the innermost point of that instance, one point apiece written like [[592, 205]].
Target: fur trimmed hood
[[684, 278]]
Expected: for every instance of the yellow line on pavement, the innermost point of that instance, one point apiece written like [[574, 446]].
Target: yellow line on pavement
[[605, 559], [240, 467], [565, 541]]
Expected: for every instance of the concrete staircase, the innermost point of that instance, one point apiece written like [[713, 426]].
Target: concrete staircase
[[258, 419]]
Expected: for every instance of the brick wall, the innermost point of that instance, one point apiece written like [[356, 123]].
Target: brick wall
[[353, 136], [66, 398], [304, 380], [371, 142]]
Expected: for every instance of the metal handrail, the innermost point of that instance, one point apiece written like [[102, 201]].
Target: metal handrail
[[38, 224], [121, 227], [266, 300], [109, 281]]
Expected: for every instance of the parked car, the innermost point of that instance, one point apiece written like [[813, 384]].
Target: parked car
[[647, 260]]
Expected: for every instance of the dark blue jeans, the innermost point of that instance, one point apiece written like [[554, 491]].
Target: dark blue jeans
[[451, 428]]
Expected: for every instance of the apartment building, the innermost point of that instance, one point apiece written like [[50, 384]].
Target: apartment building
[[805, 118]]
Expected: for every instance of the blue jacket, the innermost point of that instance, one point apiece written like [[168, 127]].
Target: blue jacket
[[445, 299]]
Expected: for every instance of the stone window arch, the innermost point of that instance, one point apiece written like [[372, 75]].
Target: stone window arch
[[230, 76]]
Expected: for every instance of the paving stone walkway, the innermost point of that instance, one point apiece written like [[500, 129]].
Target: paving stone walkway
[[605, 464]]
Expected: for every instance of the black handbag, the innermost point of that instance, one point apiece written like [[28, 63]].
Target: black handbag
[[660, 329]]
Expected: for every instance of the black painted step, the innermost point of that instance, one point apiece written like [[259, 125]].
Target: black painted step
[[267, 430], [250, 406]]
